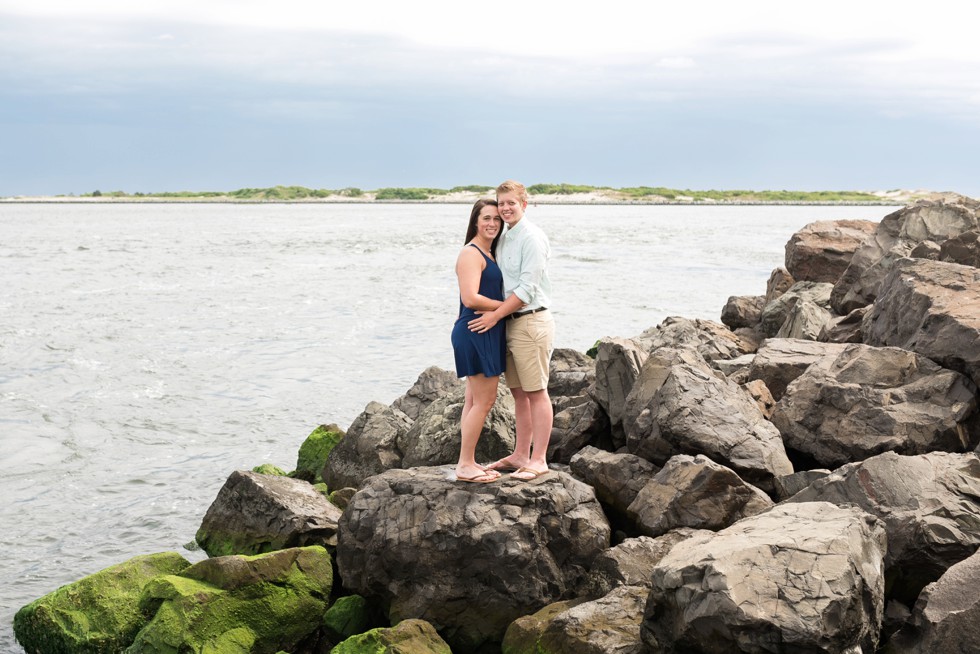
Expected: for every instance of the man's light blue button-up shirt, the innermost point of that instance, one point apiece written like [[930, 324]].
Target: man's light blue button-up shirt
[[522, 255]]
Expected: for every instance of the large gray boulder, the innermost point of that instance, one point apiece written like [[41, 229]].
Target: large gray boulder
[[932, 308], [781, 360], [571, 373], [631, 562], [809, 296], [432, 384], [616, 477], [607, 625], [798, 578], [946, 618], [255, 513], [870, 400], [679, 405], [617, 365], [369, 447], [433, 439], [822, 250], [470, 558], [844, 329], [896, 237], [711, 340], [694, 492], [963, 249], [742, 311], [580, 421], [930, 505], [805, 319]]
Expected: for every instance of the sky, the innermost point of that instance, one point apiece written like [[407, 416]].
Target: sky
[[218, 95]]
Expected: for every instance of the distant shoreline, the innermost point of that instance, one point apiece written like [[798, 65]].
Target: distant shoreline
[[540, 194]]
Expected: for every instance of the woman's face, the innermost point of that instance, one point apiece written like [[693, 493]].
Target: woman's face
[[488, 223]]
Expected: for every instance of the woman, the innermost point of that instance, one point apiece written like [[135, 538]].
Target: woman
[[479, 357]]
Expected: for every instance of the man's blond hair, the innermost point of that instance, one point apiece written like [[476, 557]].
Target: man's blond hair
[[510, 186]]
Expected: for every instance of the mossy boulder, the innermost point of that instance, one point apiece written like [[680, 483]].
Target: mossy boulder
[[407, 637], [237, 604], [314, 451], [99, 613], [270, 469], [350, 615]]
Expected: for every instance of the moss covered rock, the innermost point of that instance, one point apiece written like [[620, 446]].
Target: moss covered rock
[[226, 605], [350, 615], [270, 469], [314, 451], [407, 637], [99, 613]]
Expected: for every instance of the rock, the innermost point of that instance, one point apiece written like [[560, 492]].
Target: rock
[[871, 400], [790, 485], [946, 617], [348, 616], [631, 562], [571, 373], [805, 319], [844, 329], [616, 478], [694, 492], [433, 438], [341, 497], [821, 251], [618, 362], [932, 308], [711, 340], [369, 447], [742, 311], [432, 384], [781, 360], [256, 513], [926, 250], [409, 537], [779, 282], [759, 392], [963, 249], [798, 578], [315, 450], [270, 469], [581, 421], [733, 367], [410, 636], [98, 614], [777, 313], [602, 626], [679, 406], [895, 238], [263, 603], [930, 505]]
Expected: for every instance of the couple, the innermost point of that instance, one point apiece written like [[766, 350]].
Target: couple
[[504, 326]]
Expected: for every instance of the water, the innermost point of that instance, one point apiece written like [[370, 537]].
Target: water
[[147, 351]]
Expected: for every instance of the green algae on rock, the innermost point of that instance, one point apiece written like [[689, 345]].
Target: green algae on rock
[[99, 613], [411, 636], [249, 604], [351, 615], [314, 451], [270, 469]]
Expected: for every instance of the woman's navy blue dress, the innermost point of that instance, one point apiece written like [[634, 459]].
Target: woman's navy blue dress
[[481, 353]]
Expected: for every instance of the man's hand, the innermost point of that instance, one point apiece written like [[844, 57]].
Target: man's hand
[[484, 323]]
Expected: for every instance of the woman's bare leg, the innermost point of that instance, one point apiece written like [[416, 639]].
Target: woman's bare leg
[[481, 393]]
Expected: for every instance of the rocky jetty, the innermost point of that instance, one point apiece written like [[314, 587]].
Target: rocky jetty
[[801, 477]]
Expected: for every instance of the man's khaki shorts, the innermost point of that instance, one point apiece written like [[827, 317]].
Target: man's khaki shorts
[[530, 341]]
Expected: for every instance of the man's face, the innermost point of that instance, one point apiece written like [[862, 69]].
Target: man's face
[[511, 207]]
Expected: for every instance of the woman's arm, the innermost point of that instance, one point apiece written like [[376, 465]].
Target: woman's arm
[[469, 268]]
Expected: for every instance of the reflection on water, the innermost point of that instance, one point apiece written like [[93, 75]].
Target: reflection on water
[[146, 351]]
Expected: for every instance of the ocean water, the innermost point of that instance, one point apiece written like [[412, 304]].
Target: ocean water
[[147, 351]]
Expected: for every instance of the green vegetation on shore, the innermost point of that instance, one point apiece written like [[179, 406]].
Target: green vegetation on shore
[[541, 191]]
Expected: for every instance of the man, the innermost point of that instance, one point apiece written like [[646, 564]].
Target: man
[[522, 255]]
